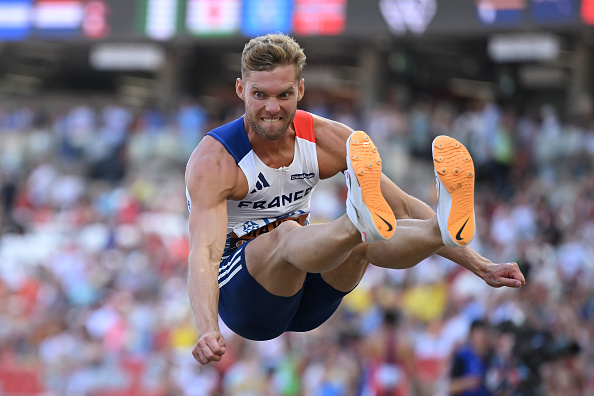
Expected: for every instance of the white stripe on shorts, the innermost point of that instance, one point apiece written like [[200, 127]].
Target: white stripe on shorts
[[223, 283], [226, 269], [229, 263]]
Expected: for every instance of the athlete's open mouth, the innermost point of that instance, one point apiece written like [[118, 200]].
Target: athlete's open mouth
[[271, 120]]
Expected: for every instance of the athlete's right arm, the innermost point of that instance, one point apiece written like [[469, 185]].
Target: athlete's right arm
[[210, 178]]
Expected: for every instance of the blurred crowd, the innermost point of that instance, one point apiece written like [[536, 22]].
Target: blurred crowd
[[93, 259]]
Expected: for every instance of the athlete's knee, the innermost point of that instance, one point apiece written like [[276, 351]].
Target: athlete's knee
[[347, 275], [278, 238], [281, 242], [359, 253], [285, 229]]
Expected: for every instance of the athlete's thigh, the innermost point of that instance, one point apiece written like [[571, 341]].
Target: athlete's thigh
[[246, 307], [264, 261]]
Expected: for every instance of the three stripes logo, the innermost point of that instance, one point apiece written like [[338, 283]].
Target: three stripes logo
[[261, 184], [230, 269]]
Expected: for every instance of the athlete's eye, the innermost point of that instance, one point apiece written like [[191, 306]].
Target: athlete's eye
[[286, 95], [258, 95]]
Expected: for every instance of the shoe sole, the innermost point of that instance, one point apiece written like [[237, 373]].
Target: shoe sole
[[366, 166], [455, 169]]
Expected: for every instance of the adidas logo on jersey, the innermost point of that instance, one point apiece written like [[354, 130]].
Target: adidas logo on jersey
[[261, 184]]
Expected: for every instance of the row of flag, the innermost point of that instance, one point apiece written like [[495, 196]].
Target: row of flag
[[21, 18], [163, 19]]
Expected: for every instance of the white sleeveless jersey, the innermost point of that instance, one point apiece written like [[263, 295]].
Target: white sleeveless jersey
[[275, 195]]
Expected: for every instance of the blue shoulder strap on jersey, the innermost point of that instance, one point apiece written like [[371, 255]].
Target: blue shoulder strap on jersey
[[234, 138]]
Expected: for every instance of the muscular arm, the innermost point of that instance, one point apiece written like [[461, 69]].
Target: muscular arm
[[209, 177], [496, 275]]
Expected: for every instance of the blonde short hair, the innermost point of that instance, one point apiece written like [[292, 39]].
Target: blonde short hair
[[267, 52]]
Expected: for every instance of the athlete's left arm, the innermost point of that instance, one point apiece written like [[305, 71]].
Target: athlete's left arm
[[494, 274]]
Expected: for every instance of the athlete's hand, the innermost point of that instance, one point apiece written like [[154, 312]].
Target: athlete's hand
[[210, 347], [506, 274]]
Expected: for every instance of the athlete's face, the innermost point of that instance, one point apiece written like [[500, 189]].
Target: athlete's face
[[270, 100]]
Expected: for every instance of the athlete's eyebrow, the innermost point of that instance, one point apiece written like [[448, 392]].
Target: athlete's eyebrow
[[289, 87]]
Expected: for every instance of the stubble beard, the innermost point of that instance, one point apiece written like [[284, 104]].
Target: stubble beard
[[268, 134]]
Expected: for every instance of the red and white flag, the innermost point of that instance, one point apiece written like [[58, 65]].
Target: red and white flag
[[320, 17]]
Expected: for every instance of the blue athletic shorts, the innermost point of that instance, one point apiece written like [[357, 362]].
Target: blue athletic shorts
[[252, 312]]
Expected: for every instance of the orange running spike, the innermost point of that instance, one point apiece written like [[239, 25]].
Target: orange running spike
[[454, 173], [374, 217]]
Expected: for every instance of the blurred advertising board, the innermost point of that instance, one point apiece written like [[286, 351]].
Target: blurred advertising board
[[163, 20]]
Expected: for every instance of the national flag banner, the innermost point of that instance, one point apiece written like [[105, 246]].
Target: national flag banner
[[161, 18], [213, 17], [95, 24], [15, 18], [501, 12], [266, 16], [63, 17], [587, 11], [320, 17], [554, 11]]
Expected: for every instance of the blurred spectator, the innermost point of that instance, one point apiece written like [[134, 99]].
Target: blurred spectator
[[105, 155], [420, 127], [8, 196], [191, 122], [152, 120], [389, 356], [470, 363], [77, 130], [503, 152], [247, 376], [434, 344], [387, 124], [505, 371], [548, 144]]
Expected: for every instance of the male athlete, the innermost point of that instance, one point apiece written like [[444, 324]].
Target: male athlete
[[255, 261]]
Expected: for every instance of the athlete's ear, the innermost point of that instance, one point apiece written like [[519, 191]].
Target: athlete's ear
[[239, 88], [301, 89]]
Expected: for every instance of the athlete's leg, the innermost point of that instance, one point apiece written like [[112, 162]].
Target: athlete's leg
[[280, 259], [417, 239], [413, 241], [453, 225]]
